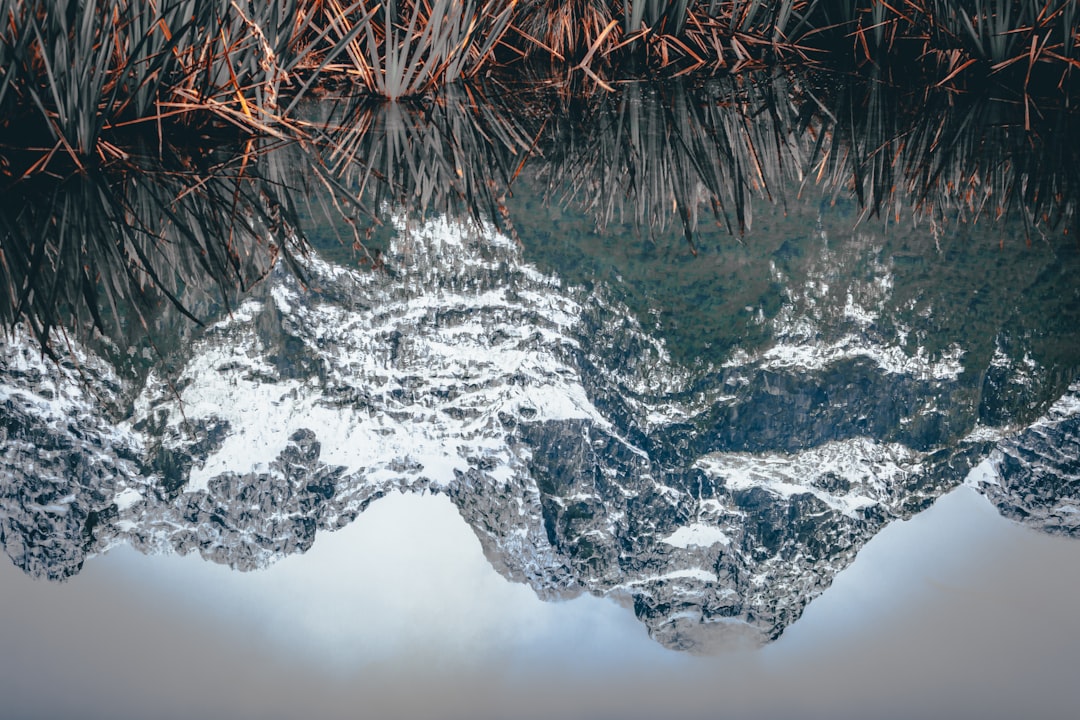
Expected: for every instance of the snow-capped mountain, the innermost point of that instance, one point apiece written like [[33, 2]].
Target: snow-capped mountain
[[716, 500], [1033, 477]]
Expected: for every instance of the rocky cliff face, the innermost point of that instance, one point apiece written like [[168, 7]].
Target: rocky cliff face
[[1033, 476], [717, 501], [62, 459]]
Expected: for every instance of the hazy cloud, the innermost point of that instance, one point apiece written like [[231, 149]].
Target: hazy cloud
[[957, 613]]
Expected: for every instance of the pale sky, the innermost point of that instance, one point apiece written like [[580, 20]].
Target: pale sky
[[957, 613]]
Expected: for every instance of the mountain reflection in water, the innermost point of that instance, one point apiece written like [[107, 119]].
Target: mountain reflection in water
[[704, 421]]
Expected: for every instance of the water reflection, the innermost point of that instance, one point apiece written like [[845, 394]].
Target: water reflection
[[108, 251], [707, 437]]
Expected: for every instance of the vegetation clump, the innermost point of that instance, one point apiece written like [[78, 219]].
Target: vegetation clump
[[76, 75], [123, 106]]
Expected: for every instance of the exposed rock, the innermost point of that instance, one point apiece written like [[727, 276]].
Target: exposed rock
[[1035, 476], [716, 501]]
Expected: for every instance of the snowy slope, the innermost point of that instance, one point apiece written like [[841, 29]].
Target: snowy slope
[[716, 501]]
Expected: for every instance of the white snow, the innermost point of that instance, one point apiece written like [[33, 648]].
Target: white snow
[[681, 574], [984, 433], [1067, 405], [126, 498], [697, 535], [860, 315], [430, 368], [891, 359], [983, 474], [245, 313], [869, 468]]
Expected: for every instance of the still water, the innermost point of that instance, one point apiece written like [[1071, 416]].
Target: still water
[[570, 409]]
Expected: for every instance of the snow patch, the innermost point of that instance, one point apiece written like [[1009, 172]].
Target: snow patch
[[846, 475], [984, 474], [126, 498], [697, 535], [404, 381], [891, 359]]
